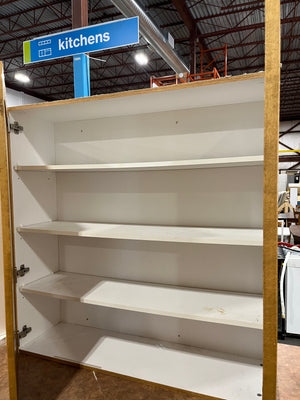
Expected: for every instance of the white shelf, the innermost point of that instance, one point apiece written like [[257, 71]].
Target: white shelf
[[202, 305], [148, 166], [226, 236], [184, 367]]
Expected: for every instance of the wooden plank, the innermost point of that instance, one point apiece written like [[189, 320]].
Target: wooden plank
[[238, 78], [227, 308], [7, 244], [226, 236], [183, 367], [148, 166], [272, 89]]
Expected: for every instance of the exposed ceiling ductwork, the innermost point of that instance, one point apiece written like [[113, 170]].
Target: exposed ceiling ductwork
[[129, 8]]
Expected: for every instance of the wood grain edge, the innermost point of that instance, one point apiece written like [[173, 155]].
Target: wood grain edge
[[7, 245], [79, 365], [228, 79], [271, 126]]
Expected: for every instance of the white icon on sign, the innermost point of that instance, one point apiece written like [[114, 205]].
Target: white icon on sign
[[44, 42], [45, 52]]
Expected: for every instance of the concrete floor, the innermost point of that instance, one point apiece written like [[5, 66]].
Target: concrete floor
[[46, 380], [288, 372], [3, 372], [53, 381]]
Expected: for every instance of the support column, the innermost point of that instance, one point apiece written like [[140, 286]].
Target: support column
[[81, 65], [193, 52]]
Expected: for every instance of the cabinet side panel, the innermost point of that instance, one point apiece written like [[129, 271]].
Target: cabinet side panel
[[272, 104], [34, 200], [7, 254], [228, 339]]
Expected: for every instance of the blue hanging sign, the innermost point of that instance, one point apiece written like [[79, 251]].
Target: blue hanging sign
[[108, 35]]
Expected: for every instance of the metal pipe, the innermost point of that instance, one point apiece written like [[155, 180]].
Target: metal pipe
[[129, 8]]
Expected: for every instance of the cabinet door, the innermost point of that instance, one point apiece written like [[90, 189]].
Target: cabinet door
[[7, 241]]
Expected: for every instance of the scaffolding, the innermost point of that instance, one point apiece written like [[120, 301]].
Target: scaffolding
[[208, 71]]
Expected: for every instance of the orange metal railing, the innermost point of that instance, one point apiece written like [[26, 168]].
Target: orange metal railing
[[222, 51], [204, 73]]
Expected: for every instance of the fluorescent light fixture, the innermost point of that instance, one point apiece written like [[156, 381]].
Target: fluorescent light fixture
[[19, 76], [141, 58]]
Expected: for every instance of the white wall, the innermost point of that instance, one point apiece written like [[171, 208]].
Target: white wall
[[16, 98]]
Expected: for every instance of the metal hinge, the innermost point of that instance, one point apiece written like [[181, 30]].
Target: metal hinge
[[22, 270], [24, 332], [16, 128]]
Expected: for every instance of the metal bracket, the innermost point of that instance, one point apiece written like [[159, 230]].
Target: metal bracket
[[22, 271], [24, 332], [16, 128]]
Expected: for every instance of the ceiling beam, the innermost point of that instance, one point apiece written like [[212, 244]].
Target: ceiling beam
[[191, 24], [80, 13], [243, 44], [258, 6], [5, 2], [232, 60], [234, 29], [287, 158], [251, 3], [261, 67]]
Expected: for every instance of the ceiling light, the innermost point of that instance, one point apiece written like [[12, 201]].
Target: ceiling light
[[21, 77], [141, 58]]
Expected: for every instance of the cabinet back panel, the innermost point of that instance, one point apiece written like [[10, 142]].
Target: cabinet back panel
[[228, 339], [231, 268], [220, 197], [222, 131]]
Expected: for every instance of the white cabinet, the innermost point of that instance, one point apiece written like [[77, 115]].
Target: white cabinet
[[140, 216]]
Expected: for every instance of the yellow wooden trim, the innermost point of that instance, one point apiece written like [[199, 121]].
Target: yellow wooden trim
[[7, 245], [141, 91], [272, 90]]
